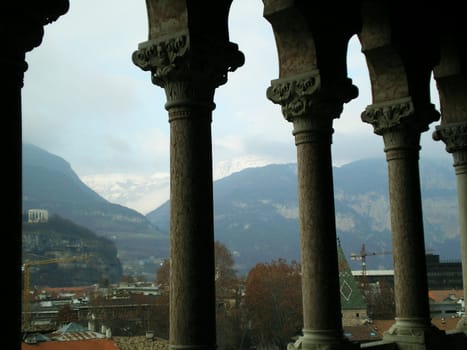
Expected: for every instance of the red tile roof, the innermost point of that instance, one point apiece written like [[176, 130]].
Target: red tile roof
[[90, 344], [446, 324], [439, 296]]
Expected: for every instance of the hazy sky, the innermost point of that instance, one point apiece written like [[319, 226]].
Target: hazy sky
[[85, 101]]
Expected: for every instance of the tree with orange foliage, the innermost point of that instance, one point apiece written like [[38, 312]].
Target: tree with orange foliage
[[273, 302]]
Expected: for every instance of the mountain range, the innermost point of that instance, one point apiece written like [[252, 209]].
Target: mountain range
[[255, 211]]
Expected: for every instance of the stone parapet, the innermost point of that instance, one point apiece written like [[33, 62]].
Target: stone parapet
[[141, 343]]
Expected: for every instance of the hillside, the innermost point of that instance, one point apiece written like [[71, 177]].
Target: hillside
[[59, 238], [50, 183], [256, 212]]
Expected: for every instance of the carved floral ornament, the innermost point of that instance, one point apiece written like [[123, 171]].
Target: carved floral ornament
[[454, 135], [294, 94], [387, 115], [159, 56], [175, 58]]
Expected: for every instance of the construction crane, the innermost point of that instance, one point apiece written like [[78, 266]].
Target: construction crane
[[26, 275], [362, 256]]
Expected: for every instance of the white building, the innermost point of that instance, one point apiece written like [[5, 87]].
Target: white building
[[37, 215]]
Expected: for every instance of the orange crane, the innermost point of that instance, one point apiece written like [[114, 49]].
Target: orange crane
[[26, 273]]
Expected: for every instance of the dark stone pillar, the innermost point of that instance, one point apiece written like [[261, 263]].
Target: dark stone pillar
[[190, 77], [312, 118], [400, 125], [21, 27], [454, 135], [192, 299]]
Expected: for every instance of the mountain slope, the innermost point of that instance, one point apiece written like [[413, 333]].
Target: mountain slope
[[256, 211], [50, 183], [49, 177], [59, 238]]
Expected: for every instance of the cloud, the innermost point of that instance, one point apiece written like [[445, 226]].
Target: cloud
[[84, 99]]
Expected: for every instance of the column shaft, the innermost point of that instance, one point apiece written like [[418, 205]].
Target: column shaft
[[454, 135], [401, 123], [192, 291], [189, 71], [312, 111], [461, 175], [12, 72], [320, 277], [411, 288], [460, 165]]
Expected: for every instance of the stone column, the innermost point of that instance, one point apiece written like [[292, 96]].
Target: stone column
[[312, 118], [401, 127], [454, 135], [190, 78], [22, 27]]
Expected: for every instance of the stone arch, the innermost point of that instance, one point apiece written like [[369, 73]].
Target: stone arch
[[194, 328], [307, 40], [400, 58], [350, 120]]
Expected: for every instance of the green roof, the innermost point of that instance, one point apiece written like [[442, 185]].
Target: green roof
[[351, 295]]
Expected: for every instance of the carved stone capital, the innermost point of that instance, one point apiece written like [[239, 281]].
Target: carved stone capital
[[454, 135], [162, 57], [387, 115], [295, 95], [303, 95], [393, 114], [23, 22], [187, 73], [22, 26]]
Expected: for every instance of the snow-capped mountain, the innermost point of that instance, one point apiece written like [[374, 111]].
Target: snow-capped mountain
[[145, 192], [142, 193]]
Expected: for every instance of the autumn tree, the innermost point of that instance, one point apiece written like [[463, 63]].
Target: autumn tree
[[273, 302]]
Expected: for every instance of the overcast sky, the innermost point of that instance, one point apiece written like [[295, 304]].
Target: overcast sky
[[85, 101]]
